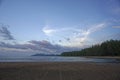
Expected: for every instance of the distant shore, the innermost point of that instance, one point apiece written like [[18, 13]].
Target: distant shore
[[59, 71], [109, 57]]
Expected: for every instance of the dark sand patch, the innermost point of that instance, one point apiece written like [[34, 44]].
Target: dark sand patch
[[59, 71]]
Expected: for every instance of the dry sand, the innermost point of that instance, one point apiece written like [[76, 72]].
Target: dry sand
[[59, 71]]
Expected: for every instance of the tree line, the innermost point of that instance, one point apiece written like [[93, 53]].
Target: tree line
[[107, 48]]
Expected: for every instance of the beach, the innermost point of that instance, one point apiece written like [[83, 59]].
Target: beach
[[59, 71]]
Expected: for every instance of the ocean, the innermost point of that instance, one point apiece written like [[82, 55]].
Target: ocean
[[57, 59]]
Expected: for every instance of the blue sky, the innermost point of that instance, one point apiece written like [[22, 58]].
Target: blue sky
[[63, 24]]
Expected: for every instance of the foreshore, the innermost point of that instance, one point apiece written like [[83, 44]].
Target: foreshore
[[59, 71]]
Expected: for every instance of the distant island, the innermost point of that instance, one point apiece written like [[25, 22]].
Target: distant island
[[107, 48], [41, 54]]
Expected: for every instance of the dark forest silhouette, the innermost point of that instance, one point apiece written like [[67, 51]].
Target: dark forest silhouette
[[107, 48]]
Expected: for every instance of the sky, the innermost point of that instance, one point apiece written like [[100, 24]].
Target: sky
[[54, 26]]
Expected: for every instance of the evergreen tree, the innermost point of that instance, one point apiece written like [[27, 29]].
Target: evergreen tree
[[107, 48]]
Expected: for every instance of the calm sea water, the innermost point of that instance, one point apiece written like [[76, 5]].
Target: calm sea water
[[56, 59]]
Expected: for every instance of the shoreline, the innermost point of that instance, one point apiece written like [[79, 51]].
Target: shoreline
[[110, 57], [104, 57]]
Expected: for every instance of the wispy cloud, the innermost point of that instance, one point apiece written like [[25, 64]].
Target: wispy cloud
[[97, 27], [74, 37], [48, 31], [82, 37], [5, 34], [116, 27]]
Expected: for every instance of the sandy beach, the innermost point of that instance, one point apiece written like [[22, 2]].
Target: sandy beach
[[59, 71]]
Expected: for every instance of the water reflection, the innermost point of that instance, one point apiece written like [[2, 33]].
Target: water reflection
[[57, 59]]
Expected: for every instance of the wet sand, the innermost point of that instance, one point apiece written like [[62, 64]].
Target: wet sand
[[59, 71]]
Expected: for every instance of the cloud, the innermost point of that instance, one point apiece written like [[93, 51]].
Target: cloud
[[44, 45], [48, 31], [5, 34], [97, 27], [82, 37], [33, 46], [116, 27], [73, 36], [71, 39]]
